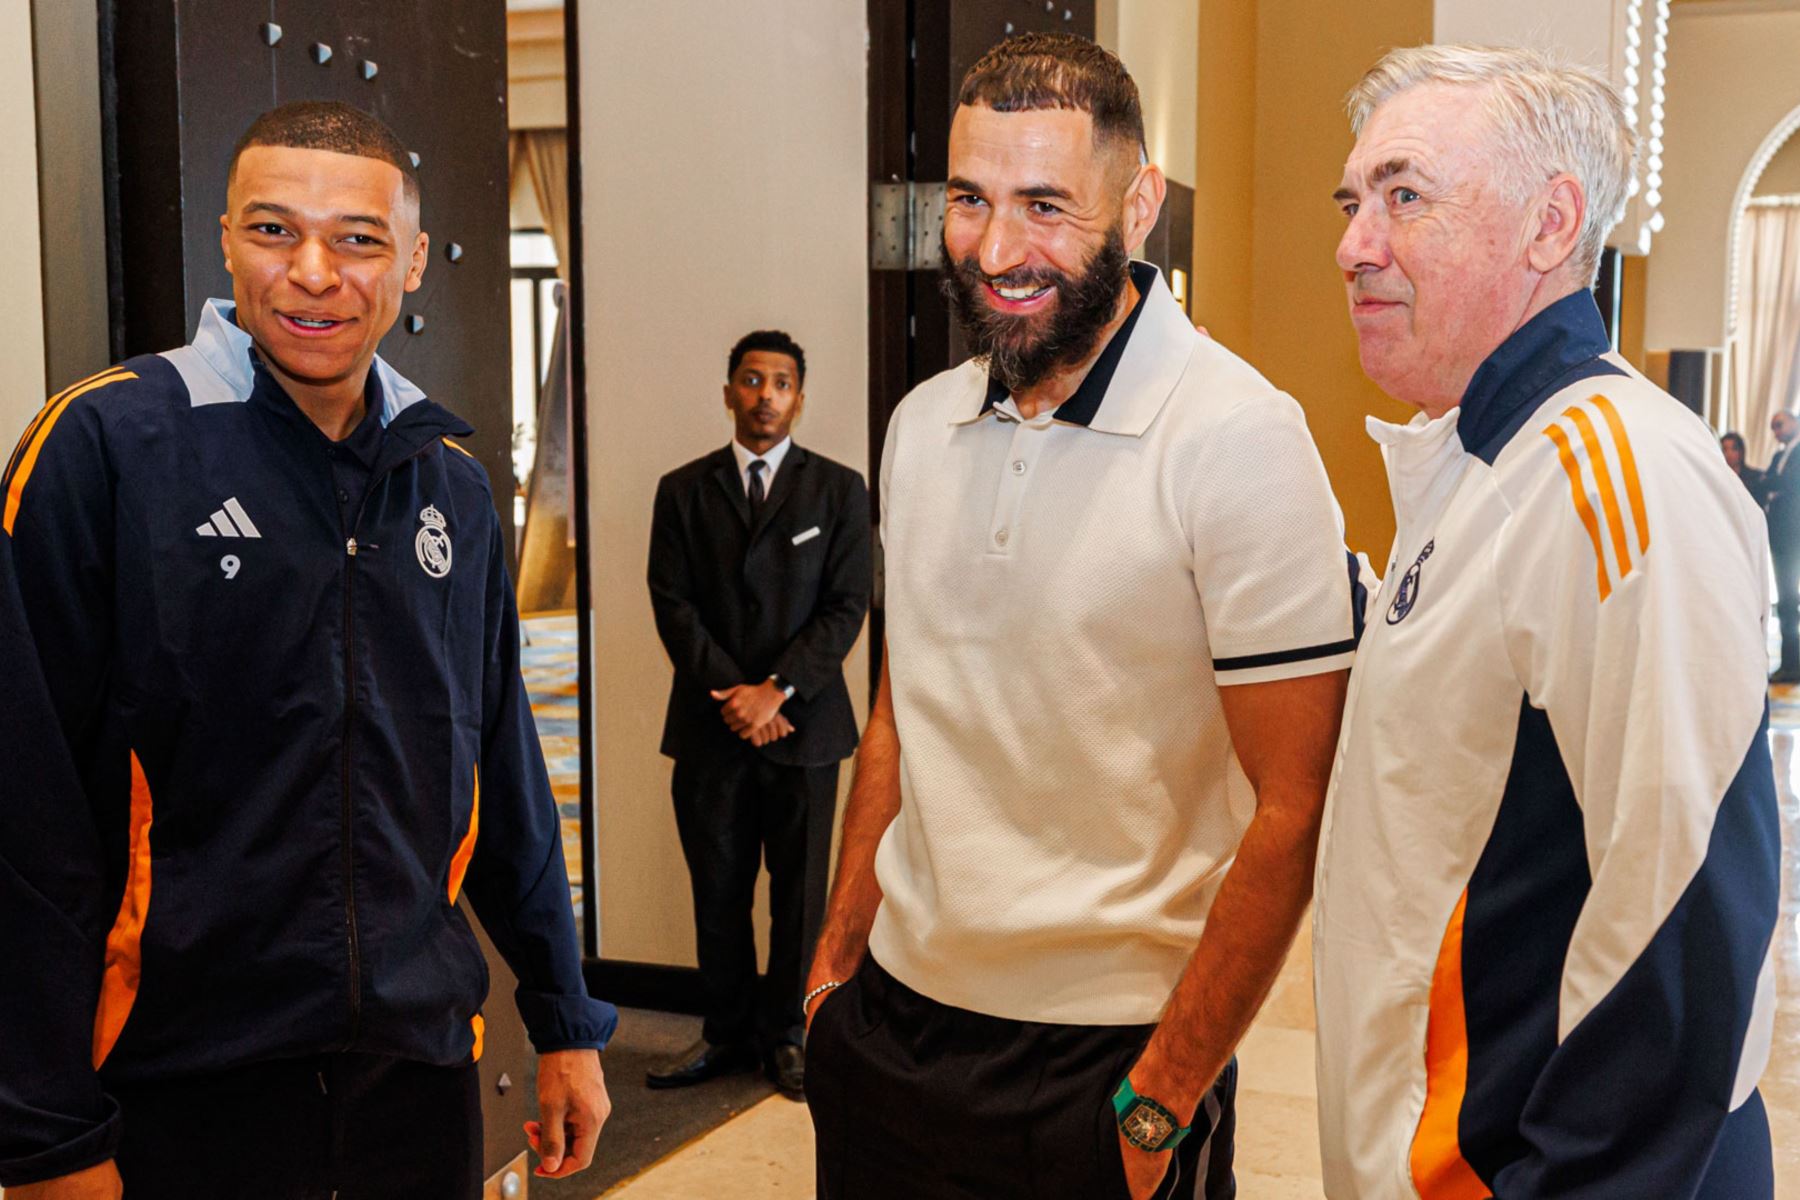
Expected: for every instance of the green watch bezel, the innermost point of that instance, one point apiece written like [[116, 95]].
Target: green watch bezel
[[1126, 1102]]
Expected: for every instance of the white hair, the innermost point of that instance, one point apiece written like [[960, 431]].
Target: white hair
[[1549, 117]]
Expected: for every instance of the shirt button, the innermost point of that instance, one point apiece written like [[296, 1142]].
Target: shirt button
[[1018, 466], [343, 497], [1000, 537]]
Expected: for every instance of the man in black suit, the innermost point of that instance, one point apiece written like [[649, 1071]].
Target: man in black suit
[[1782, 481], [759, 575]]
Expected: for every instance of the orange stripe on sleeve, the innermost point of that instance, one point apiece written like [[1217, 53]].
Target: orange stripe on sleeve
[[479, 1028], [124, 949], [457, 448], [45, 424], [459, 865], [1634, 490], [1582, 508], [1609, 497], [37, 420], [1439, 1170]]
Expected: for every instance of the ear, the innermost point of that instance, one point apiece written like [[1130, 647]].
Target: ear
[[1556, 226], [1143, 204], [421, 254], [225, 240]]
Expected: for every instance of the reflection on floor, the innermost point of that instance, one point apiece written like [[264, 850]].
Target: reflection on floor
[[766, 1154], [550, 664]]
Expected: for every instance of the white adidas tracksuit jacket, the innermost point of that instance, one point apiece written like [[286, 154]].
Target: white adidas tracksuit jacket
[[1549, 875]]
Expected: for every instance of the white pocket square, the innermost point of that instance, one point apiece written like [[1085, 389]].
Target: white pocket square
[[808, 536]]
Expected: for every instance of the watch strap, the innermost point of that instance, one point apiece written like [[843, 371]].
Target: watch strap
[[1126, 1101], [782, 686]]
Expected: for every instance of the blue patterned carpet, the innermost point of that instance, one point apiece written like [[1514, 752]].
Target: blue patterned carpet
[[551, 668]]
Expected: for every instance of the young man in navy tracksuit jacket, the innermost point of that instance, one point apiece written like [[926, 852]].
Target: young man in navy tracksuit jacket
[[262, 666]]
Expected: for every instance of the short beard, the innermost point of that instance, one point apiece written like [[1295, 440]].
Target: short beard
[[1018, 354]]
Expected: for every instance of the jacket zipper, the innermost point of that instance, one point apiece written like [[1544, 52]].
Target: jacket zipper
[[348, 813]]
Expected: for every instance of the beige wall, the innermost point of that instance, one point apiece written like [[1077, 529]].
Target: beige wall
[[1732, 81], [725, 190], [22, 300], [1271, 140], [1155, 39], [1782, 176]]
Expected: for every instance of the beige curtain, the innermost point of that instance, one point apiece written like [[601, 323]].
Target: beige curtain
[[1766, 354], [543, 154]]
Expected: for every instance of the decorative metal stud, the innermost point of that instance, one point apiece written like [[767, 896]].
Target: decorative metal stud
[[1009, 28], [414, 156], [321, 53], [1068, 14], [271, 33], [1049, 5], [415, 324], [454, 252], [369, 68], [503, 1084]]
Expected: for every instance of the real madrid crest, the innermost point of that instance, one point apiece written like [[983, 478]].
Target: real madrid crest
[[1408, 593], [433, 543]]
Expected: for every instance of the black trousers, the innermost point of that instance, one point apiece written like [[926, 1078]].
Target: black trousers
[[733, 815], [353, 1126], [916, 1100], [1784, 554]]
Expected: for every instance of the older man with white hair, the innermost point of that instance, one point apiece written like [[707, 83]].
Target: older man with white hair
[[1549, 880]]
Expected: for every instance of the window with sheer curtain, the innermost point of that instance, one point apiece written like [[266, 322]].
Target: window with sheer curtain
[[1766, 348]]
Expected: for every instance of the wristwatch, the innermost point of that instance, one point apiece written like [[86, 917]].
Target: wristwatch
[[1145, 1123], [783, 686]]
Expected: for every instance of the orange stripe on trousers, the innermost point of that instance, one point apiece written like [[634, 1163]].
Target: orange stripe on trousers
[[124, 950], [1439, 1170]]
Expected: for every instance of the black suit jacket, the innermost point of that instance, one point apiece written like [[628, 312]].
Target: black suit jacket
[[736, 603], [1783, 491]]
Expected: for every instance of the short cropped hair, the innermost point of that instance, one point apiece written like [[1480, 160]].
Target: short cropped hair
[[1549, 116], [774, 341], [329, 125], [1031, 71]]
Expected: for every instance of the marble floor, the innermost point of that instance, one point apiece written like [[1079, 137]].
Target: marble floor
[[766, 1154]]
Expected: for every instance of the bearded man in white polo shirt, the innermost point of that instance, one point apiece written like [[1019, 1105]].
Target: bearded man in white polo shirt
[[1119, 624]]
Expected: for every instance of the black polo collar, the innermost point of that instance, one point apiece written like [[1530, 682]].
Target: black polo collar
[[1079, 409]]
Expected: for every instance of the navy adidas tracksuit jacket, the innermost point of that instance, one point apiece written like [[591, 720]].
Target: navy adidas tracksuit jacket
[[255, 755]]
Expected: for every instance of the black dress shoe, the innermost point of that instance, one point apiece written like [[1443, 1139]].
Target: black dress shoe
[[700, 1062], [786, 1069]]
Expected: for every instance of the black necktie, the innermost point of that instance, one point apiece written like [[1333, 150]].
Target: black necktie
[[757, 466]]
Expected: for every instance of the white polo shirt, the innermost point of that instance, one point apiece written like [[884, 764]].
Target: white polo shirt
[[1065, 597]]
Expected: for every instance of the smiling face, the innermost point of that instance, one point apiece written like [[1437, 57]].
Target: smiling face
[[321, 247], [764, 398], [1438, 263], [1037, 225]]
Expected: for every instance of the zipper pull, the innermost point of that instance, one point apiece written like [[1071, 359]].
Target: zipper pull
[[350, 547]]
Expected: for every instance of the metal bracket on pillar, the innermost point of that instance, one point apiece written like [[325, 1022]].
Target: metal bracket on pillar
[[369, 68], [413, 157], [271, 33], [321, 53], [415, 324], [454, 252]]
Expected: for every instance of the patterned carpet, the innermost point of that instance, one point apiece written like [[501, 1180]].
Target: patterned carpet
[[551, 667]]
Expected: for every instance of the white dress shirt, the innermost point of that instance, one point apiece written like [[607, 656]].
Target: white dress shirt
[[772, 459]]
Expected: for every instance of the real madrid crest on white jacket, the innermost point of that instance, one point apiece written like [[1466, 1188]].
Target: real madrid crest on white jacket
[[1548, 880]]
